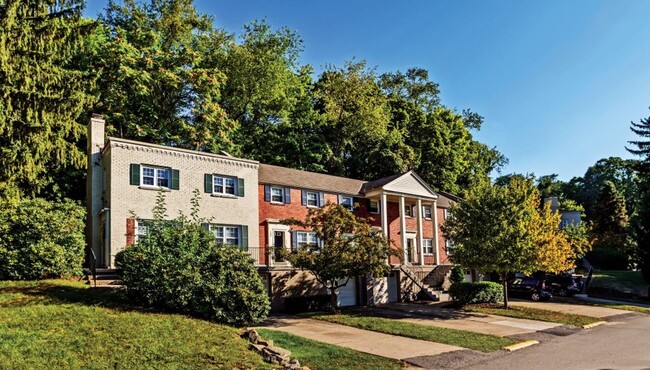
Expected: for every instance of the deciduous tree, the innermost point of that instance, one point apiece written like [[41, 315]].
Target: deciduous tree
[[500, 228], [348, 248]]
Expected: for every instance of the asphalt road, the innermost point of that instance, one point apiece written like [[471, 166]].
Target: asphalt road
[[621, 344]]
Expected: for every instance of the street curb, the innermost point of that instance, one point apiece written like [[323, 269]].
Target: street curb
[[593, 325], [520, 345]]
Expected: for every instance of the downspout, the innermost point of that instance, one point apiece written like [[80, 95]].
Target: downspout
[[107, 235]]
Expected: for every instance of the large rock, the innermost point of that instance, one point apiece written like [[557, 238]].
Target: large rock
[[276, 355], [293, 365], [251, 335]]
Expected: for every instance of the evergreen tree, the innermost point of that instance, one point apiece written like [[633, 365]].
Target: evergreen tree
[[42, 93], [641, 223], [609, 220]]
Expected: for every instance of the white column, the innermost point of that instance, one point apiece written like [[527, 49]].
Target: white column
[[383, 209], [402, 227], [420, 237], [436, 244]]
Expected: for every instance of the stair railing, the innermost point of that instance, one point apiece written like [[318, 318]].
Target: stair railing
[[93, 265]]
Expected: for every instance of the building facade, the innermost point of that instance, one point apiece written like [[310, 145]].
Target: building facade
[[245, 203]]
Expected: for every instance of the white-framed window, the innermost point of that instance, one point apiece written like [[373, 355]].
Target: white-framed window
[[347, 202], [155, 176], [446, 213], [277, 195], [142, 228], [428, 246], [223, 185], [312, 199], [304, 238], [426, 211], [374, 206], [226, 234], [449, 247], [408, 210]]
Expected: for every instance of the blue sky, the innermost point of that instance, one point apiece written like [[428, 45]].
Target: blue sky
[[558, 82]]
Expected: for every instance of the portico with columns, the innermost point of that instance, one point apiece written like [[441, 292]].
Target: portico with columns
[[409, 216]]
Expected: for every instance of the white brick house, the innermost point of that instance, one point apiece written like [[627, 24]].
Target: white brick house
[[125, 176]]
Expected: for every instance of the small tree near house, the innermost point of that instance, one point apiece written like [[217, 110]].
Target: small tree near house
[[501, 228], [349, 247]]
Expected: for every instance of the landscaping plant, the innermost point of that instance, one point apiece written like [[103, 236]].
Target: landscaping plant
[[178, 266], [40, 239], [479, 292]]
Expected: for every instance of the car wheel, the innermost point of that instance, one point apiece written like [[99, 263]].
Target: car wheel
[[563, 293], [535, 297]]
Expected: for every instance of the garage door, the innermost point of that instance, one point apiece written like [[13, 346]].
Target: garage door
[[347, 295]]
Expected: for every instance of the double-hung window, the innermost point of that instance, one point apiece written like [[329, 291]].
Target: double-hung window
[[155, 176], [346, 201], [223, 185], [142, 228], [426, 211], [428, 246], [449, 247], [408, 210], [226, 234], [312, 199], [306, 238], [373, 206], [277, 195]]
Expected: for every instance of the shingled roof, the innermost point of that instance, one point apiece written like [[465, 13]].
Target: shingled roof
[[276, 175]]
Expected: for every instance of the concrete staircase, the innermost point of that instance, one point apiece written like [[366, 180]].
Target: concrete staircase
[[104, 278]]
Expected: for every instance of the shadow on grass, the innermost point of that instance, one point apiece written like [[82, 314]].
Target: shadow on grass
[[46, 293]]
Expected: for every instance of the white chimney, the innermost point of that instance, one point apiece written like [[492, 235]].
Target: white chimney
[[94, 182]]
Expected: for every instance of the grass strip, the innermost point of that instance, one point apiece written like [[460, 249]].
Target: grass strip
[[318, 355], [534, 314], [460, 338]]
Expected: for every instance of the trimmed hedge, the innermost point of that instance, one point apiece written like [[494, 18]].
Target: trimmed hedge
[[480, 292]]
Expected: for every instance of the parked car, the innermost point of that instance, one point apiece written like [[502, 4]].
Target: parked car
[[563, 285], [531, 288]]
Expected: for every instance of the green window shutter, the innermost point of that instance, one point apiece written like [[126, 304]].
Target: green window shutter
[[240, 187], [135, 174], [176, 179], [244, 237], [207, 183]]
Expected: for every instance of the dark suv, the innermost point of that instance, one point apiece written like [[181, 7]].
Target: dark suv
[[531, 288], [563, 285]]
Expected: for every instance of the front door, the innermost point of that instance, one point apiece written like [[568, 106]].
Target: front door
[[410, 250], [278, 245]]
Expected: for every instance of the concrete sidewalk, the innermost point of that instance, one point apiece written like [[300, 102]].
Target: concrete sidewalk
[[578, 309], [379, 344], [434, 315]]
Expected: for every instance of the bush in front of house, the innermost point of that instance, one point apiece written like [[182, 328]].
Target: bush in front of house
[[41, 239], [178, 267], [457, 275], [480, 292]]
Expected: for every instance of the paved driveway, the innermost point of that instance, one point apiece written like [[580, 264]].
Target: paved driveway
[[434, 315], [579, 309], [379, 344]]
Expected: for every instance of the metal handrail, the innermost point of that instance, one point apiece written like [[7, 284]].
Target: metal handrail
[[93, 265]]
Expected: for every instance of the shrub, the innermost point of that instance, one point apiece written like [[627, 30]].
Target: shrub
[[40, 239], [608, 259], [480, 292], [457, 275], [178, 266]]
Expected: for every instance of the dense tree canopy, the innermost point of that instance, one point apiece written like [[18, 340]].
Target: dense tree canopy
[[42, 92]]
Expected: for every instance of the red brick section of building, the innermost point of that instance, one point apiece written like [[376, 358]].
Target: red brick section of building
[[332, 187]]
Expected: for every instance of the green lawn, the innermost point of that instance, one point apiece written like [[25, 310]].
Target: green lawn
[[534, 314], [629, 282], [66, 325], [318, 355], [461, 338]]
